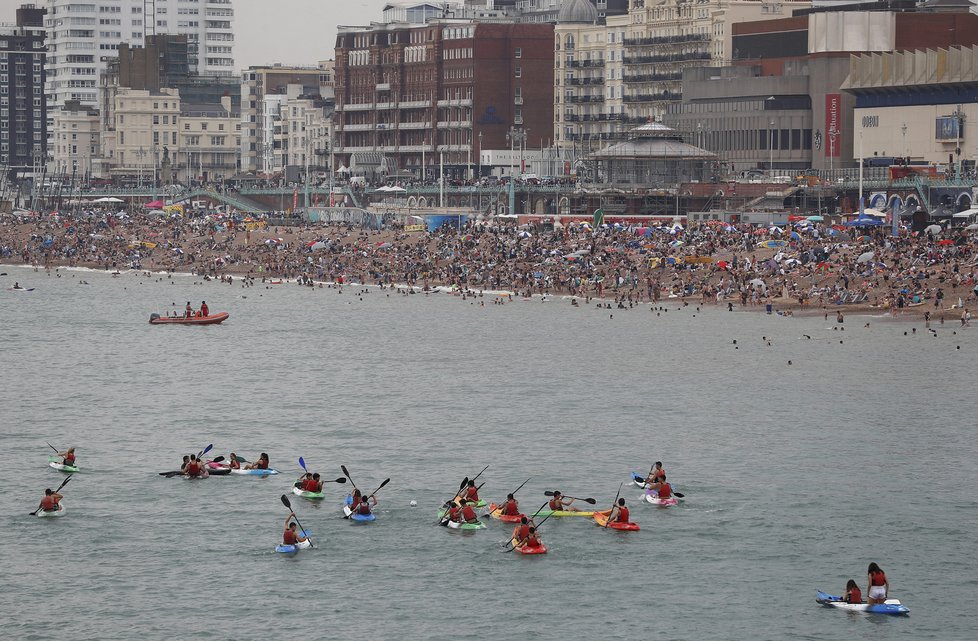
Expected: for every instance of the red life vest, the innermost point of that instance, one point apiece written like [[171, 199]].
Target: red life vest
[[555, 504], [261, 464], [511, 508], [472, 494], [363, 508], [623, 514], [855, 596], [48, 504], [235, 465], [311, 485], [453, 513], [290, 538], [193, 468], [665, 491], [524, 531], [70, 459], [877, 578], [468, 514]]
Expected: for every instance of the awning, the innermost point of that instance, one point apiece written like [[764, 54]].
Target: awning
[[967, 213]]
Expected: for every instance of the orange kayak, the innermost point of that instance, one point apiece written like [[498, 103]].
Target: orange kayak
[[496, 513], [211, 319], [529, 549], [601, 518]]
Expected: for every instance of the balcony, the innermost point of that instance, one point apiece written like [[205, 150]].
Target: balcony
[[386, 105], [358, 106], [518, 100], [414, 125], [454, 124], [582, 99], [414, 104], [410, 148], [465, 102], [586, 81], [653, 77], [672, 57], [659, 97], [666, 40], [583, 64], [358, 127]]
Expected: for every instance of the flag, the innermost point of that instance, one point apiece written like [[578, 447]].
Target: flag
[[598, 217]]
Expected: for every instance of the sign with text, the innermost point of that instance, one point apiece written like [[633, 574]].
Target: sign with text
[[833, 124]]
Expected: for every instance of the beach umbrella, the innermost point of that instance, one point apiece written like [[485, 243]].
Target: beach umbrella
[[816, 219], [177, 250], [722, 264], [932, 229], [794, 236], [397, 188], [524, 234], [676, 243], [383, 188], [109, 199], [318, 245], [865, 257]]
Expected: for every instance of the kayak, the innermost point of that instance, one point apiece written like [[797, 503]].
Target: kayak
[[890, 606], [529, 549], [458, 525], [639, 480], [494, 512], [292, 549], [210, 319], [307, 495], [20, 289], [244, 472], [203, 475], [561, 513], [348, 513], [55, 462], [601, 518], [652, 497], [217, 469], [52, 513], [479, 503]]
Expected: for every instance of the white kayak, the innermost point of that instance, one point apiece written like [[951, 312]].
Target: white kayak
[[652, 497], [53, 513], [890, 606], [267, 472]]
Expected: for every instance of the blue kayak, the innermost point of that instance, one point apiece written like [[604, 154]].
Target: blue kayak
[[292, 549], [890, 606], [267, 472], [349, 513]]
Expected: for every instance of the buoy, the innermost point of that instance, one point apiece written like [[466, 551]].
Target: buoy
[[414, 504]]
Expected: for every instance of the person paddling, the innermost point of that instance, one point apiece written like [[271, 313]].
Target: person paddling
[[522, 531], [656, 474], [183, 466], [291, 536], [662, 487], [468, 514], [471, 493], [559, 503], [530, 540], [68, 457], [510, 507], [234, 462], [301, 481], [260, 464], [453, 512], [879, 585], [619, 513], [50, 501], [363, 509], [312, 483], [194, 468]]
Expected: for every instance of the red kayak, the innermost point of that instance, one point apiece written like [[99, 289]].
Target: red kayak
[[529, 549], [210, 319], [601, 518], [496, 512]]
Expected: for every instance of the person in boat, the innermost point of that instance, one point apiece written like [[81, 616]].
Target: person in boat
[[453, 512], [194, 467], [260, 464], [189, 311], [204, 311], [656, 473], [522, 531], [468, 514], [470, 493], [355, 497], [853, 594], [661, 487], [619, 513], [68, 457], [530, 540], [363, 508], [50, 501], [186, 460], [291, 535], [879, 585], [510, 507], [559, 503], [301, 481], [234, 462], [313, 484]]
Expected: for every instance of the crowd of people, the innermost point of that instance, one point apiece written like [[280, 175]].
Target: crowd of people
[[805, 265]]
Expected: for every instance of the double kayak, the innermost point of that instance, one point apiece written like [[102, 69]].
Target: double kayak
[[55, 462], [292, 549], [460, 525], [479, 503], [528, 549], [211, 319], [890, 606], [217, 469], [51, 513], [496, 512], [356, 516], [562, 513], [651, 496], [244, 472], [601, 518], [307, 495]]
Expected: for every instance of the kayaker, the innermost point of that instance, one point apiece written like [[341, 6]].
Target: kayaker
[[468, 514], [510, 507], [186, 460], [50, 501], [453, 512], [291, 536], [68, 457], [559, 503], [234, 462], [194, 467], [522, 530], [619, 513], [363, 508], [662, 488], [853, 595], [313, 484], [471, 493], [260, 464], [203, 308], [879, 586], [656, 474], [355, 495], [301, 481], [531, 539]]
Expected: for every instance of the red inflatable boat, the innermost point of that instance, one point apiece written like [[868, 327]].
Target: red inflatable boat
[[211, 319]]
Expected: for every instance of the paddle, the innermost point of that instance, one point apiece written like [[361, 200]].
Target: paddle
[[302, 464], [53, 448], [479, 474], [499, 508], [340, 480], [170, 475], [443, 519], [286, 503], [386, 481], [63, 483], [347, 473], [613, 504], [217, 460], [576, 498], [205, 451]]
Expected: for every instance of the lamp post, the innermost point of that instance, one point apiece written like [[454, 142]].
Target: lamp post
[[832, 134], [903, 130]]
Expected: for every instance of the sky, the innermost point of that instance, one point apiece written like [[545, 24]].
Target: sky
[[298, 32]]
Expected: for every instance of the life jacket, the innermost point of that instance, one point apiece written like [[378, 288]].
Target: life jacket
[[472, 494], [235, 465], [657, 474], [49, 504], [623, 514], [311, 485], [363, 508], [511, 508], [70, 459], [523, 532], [468, 514], [261, 464], [555, 504], [665, 491], [453, 513], [193, 468], [855, 596], [877, 578], [290, 538]]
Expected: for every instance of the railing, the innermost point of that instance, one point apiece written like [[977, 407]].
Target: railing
[[581, 99], [680, 57], [587, 81], [652, 77], [658, 97], [665, 40], [586, 63]]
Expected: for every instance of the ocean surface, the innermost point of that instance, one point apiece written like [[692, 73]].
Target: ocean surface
[[796, 475]]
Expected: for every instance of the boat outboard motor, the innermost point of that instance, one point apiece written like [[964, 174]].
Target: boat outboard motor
[[154, 317]]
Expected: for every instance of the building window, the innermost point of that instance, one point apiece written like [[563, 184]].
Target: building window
[[518, 53], [519, 72]]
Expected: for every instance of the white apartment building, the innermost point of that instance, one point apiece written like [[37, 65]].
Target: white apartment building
[[83, 34], [76, 139], [144, 133], [308, 128], [208, 147]]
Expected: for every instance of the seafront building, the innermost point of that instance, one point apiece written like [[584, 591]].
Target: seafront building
[[76, 140], [23, 113]]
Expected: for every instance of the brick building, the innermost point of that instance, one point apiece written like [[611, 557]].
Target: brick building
[[405, 94]]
